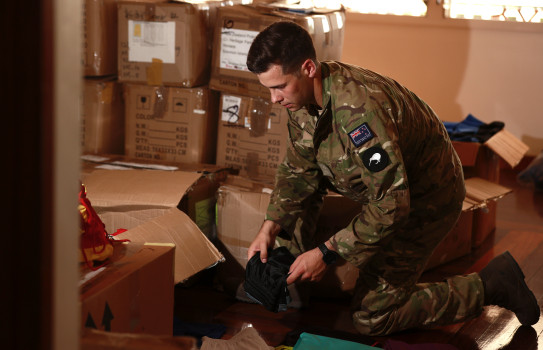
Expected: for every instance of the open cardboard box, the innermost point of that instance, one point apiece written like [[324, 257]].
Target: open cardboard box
[[132, 293], [147, 203], [241, 208], [191, 187], [483, 159]]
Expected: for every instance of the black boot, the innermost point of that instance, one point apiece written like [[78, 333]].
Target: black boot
[[504, 285]]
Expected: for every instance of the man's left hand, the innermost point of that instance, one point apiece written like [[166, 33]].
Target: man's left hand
[[309, 266]]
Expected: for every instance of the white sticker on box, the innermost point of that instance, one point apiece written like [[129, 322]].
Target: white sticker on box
[[148, 40], [230, 108], [235, 44]]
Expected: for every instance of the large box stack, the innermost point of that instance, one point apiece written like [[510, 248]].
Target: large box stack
[[482, 161], [252, 133], [102, 123], [102, 117]]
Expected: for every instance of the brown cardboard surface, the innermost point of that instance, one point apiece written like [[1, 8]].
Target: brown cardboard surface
[[92, 339], [130, 197], [485, 195], [508, 147], [102, 120], [193, 250], [162, 43], [171, 124], [252, 136], [482, 160], [133, 293], [241, 208], [99, 37], [483, 191], [236, 27]]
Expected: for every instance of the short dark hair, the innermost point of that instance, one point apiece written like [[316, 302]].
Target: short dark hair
[[284, 43]]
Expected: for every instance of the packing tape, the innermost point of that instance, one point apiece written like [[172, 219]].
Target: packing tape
[[259, 116], [154, 73], [161, 102], [106, 95]]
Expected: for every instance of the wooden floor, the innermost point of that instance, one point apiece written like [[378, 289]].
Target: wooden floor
[[519, 230]]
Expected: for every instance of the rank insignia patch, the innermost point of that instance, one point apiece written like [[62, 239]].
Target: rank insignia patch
[[375, 159], [361, 135]]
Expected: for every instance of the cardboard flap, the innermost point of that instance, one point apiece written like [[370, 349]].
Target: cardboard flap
[[508, 147], [149, 188], [480, 191], [193, 250]]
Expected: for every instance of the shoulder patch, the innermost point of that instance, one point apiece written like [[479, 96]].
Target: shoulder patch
[[375, 159], [361, 135]]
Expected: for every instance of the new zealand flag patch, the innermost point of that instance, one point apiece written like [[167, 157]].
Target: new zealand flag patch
[[361, 135]]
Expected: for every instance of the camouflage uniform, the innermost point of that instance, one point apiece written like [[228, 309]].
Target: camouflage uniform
[[377, 143]]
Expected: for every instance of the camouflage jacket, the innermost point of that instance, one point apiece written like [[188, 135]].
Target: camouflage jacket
[[375, 142]]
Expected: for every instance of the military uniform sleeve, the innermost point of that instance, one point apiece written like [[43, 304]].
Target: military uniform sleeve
[[378, 161], [298, 181]]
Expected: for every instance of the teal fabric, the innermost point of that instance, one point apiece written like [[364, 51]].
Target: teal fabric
[[308, 341]]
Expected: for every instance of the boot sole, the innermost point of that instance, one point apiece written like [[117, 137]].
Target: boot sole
[[533, 301]]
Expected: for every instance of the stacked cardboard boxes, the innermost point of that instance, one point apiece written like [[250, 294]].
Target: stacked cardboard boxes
[[483, 161], [102, 123], [252, 133]]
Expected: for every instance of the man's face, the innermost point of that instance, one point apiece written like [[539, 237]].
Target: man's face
[[289, 90]]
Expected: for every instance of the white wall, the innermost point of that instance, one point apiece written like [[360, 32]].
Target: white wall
[[493, 70]]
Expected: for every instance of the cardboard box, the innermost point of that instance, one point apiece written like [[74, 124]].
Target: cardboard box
[[162, 43], [99, 340], [483, 160], [241, 209], [99, 37], [102, 120], [252, 136], [171, 124], [484, 194], [237, 26], [133, 293], [130, 197], [194, 252]]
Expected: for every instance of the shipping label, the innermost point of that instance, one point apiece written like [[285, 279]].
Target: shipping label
[[148, 40]]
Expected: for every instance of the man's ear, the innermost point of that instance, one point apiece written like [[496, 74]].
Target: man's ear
[[309, 68]]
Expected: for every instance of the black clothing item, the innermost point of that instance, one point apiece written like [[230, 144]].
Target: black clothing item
[[266, 283], [504, 285]]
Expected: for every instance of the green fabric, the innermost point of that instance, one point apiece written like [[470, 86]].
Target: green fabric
[[308, 341]]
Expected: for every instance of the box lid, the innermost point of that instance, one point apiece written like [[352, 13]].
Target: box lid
[[194, 252], [480, 191], [126, 189], [508, 147]]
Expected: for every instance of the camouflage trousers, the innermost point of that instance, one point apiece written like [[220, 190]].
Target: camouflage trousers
[[388, 297]]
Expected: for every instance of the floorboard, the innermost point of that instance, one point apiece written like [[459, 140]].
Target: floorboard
[[519, 229]]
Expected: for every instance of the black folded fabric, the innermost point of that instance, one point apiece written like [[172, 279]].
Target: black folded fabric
[[266, 283]]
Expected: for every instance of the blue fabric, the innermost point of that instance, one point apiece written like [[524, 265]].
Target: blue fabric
[[308, 341], [464, 130]]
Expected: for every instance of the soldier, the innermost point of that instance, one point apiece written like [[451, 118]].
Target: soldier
[[369, 138]]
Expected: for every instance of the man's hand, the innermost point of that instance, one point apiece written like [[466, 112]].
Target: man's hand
[[307, 267], [264, 240]]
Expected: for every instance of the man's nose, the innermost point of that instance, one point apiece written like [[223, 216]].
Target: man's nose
[[275, 97]]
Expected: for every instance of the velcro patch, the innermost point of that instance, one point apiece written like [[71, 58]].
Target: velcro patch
[[375, 159], [361, 135]]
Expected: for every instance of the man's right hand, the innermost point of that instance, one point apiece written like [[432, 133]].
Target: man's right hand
[[264, 240]]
